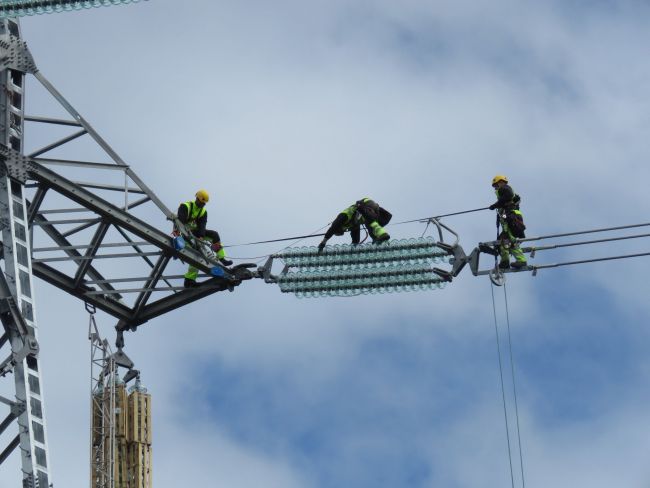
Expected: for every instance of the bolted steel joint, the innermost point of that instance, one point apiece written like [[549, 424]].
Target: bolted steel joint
[[15, 165], [15, 55]]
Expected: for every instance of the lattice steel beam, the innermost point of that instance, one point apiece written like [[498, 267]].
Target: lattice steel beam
[[56, 278], [58, 238], [75, 264]]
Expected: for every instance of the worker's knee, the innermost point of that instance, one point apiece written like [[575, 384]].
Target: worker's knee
[[213, 235]]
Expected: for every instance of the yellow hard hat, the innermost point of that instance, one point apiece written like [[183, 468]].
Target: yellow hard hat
[[202, 196], [498, 178]]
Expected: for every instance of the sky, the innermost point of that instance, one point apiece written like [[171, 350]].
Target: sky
[[289, 111]]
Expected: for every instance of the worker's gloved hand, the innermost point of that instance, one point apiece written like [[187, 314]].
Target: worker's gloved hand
[[321, 246], [216, 246], [493, 206]]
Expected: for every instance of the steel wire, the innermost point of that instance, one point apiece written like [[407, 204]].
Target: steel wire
[[514, 387], [503, 390]]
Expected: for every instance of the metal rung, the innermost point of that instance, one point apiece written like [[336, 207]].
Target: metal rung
[[65, 221], [81, 164], [139, 278], [62, 210], [48, 120], [99, 256], [58, 143], [86, 246], [99, 186]]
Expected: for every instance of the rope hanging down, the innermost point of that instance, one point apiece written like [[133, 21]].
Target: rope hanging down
[[514, 388], [503, 390]]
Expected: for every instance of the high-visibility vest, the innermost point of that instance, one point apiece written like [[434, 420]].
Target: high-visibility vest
[[194, 213], [349, 216], [350, 212]]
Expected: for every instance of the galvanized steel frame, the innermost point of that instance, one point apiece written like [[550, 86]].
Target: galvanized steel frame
[[23, 174], [17, 304]]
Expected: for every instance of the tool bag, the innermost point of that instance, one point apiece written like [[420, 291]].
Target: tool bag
[[384, 216], [516, 224]]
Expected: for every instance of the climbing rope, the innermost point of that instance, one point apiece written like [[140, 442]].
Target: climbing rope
[[318, 233], [503, 390], [514, 386], [315, 234], [426, 228], [300, 239], [262, 257], [428, 219]]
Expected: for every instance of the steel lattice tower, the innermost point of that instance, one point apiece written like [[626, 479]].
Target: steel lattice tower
[[57, 226]]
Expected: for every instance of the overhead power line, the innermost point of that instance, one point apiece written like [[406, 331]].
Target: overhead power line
[[422, 220]]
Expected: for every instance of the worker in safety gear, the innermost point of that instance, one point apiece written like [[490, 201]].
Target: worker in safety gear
[[194, 216], [512, 223], [366, 212]]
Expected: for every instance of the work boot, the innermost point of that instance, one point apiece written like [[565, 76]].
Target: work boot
[[225, 262], [188, 283], [519, 264], [503, 264], [378, 233], [382, 237]]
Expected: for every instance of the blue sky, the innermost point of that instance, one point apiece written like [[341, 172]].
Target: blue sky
[[287, 112]]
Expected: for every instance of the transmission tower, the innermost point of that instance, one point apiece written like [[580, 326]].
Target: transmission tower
[[95, 230], [57, 226]]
